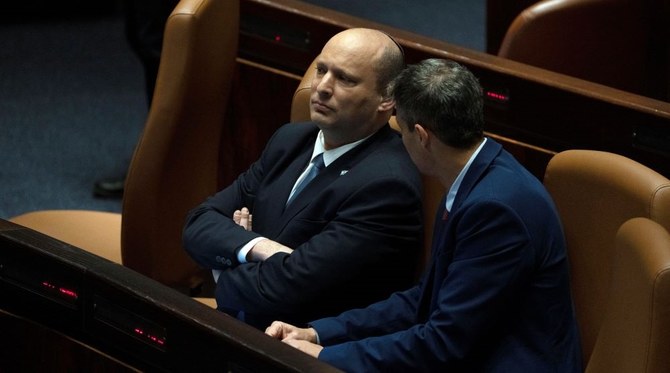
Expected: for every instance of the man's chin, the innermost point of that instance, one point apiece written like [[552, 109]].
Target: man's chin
[[319, 119]]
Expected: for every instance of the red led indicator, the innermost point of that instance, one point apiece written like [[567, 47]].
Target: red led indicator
[[69, 293], [497, 96], [278, 38], [48, 285], [157, 340]]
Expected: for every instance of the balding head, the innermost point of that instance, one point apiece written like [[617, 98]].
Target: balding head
[[350, 96], [379, 49]]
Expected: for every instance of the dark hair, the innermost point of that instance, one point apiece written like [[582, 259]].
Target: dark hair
[[444, 97]]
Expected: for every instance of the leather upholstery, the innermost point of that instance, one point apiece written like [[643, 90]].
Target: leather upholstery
[[96, 231], [433, 191], [635, 334], [603, 41], [595, 193], [175, 164]]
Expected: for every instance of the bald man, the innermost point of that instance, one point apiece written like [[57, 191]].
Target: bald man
[[346, 238]]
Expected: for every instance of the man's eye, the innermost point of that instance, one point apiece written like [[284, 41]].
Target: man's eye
[[347, 79], [320, 70]]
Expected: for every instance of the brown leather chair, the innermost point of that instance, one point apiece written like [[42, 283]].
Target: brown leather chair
[[635, 333], [175, 165], [602, 41], [433, 191], [595, 193]]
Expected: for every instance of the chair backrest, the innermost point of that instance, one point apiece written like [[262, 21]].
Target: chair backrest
[[603, 41], [595, 193], [433, 191], [175, 164], [635, 334]]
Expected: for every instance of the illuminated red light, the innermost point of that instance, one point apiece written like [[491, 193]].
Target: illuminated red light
[[48, 285], [152, 338], [69, 293], [277, 38], [497, 96]]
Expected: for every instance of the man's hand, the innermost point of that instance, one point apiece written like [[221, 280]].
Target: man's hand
[[304, 346], [304, 339], [281, 330], [243, 218], [262, 249]]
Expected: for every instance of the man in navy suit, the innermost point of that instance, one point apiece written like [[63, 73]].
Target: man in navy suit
[[496, 296], [352, 235]]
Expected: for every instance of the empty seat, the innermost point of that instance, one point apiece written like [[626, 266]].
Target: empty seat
[[175, 164], [595, 193], [635, 334], [602, 41]]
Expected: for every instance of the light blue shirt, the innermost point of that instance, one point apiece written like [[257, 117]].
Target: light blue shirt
[[453, 190]]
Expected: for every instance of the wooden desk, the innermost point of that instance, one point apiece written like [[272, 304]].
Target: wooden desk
[[69, 310]]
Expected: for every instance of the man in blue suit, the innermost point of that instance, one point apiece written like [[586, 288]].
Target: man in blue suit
[[352, 235], [496, 296]]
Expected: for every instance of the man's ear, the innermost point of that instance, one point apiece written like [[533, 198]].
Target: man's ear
[[387, 103], [423, 133]]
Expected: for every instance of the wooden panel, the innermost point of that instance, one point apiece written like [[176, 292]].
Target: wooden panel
[[260, 103], [542, 113]]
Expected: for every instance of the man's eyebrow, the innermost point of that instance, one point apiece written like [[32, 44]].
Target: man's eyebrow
[[337, 70], [345, 73]]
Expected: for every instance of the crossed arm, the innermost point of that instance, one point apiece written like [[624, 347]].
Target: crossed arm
[[262, 249]]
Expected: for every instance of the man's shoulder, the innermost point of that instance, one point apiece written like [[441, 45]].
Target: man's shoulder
[[386, 157], [298, 128], [293, 135], [387, 141]]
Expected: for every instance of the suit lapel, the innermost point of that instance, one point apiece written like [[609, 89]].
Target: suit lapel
[[321, 181], [330, 174], [428, 285], [477, 169], [279, 180], [439, 252]]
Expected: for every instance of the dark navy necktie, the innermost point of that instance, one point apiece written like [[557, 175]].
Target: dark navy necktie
[[317, 166]]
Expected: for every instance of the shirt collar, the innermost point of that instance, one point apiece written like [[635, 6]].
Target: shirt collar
[[451, 195], [329, 156]]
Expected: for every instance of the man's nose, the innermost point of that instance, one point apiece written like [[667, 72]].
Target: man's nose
[[325, 84]]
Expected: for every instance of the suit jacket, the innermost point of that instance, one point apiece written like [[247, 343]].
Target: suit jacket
[[356, 229], [496, 297]]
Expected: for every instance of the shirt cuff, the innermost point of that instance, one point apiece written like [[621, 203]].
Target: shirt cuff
[[316, 335], [242, 254]]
